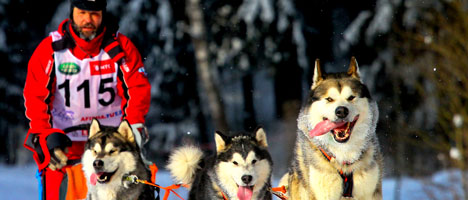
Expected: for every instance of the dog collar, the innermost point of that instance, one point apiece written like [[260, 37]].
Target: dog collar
[[347, 178], [329, 157]]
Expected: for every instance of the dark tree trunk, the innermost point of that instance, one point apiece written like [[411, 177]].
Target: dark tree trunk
[[249, 117], [210, 93]]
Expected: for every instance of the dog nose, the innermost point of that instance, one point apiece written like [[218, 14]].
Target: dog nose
[[341, 112], [98, 164], [246, 179]]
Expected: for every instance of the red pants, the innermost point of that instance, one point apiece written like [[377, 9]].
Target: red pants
[[52, 180]]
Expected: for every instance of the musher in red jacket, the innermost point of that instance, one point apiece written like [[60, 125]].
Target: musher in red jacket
[[84, 70]]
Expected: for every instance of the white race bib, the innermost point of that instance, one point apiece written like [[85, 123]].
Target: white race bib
[[85, 89]]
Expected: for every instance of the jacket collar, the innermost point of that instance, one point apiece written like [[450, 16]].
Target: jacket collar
[[80, 48], [106, 40], [91, 47]]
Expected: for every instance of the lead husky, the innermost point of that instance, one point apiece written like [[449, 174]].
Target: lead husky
[[337, 154], [110, 154], [241, 168]]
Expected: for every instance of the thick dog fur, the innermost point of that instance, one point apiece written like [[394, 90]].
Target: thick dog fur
[[238, 158], [311, 175], [110, 154]]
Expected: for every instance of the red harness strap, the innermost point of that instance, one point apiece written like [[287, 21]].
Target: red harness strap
[[347, 178]]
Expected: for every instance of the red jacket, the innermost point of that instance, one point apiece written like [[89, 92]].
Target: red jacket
[[132, 84]]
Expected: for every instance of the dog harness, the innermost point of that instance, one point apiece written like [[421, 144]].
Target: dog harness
[[154, 169], [347, 178]]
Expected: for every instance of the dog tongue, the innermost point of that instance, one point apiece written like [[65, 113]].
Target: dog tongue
[[93, 179], [244, 193], [324, 127]]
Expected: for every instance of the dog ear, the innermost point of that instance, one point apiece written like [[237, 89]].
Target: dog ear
[[353, 70], [261, 138], [126, 131], [318, 75], [94, 128], [220, 140]]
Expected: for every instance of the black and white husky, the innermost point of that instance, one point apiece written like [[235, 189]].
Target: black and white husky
[[111, 153], [240, 169]]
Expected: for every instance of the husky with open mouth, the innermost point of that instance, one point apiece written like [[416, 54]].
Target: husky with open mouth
[[111, 153], [240, 169], [337, 154]]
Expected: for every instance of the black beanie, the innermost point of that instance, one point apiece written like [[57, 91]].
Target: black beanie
[[92, 5]]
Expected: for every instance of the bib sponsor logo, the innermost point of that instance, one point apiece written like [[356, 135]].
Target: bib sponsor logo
[[102, 67], [104, 116], [69, 68], [62, 114]]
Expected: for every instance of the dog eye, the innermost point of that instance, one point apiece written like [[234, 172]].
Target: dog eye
[[329, 99], [254, 161], [235, 163], [94, 152], [112, 151], [350, 98]]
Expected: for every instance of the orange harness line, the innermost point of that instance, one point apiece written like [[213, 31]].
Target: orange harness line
[[224, 196], [329, 158], [279, 192], [169, 189]]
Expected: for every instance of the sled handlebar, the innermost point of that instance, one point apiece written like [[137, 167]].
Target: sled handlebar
[[79, 127]]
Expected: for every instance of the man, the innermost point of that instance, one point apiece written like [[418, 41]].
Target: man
[[84, 70]]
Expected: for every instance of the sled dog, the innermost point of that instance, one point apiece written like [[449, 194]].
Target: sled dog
[[336, 155], [111, 153], [240, 169]]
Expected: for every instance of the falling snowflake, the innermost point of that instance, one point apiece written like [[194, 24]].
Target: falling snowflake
[[427, 39], [455, 153], [457, 120]]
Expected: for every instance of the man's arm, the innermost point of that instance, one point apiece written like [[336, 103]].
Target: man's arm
[[38, 88], [134, 87], [38, 95]]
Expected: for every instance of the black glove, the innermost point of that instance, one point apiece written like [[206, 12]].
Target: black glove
[[57, 144]]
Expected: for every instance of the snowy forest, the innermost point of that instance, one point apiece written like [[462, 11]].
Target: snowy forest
[[234, 65]]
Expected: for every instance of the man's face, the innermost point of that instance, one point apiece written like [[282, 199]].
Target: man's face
[[86, 22]]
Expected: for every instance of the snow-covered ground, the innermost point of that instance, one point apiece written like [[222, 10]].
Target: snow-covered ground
[[19, 183]]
